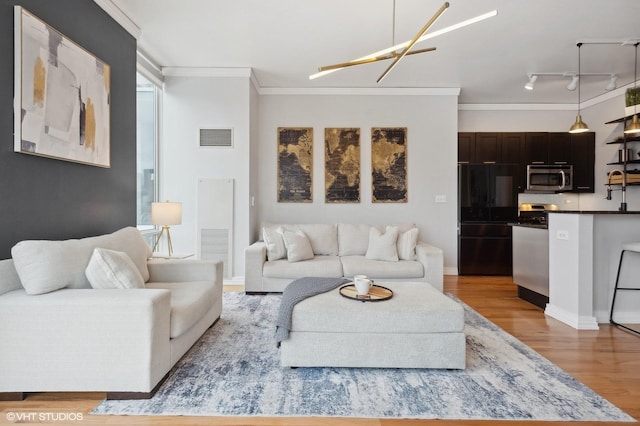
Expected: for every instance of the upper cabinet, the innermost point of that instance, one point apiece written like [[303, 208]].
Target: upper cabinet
[[524, 148], [489, 148], [583, 158], [559, 149], [535, 149]]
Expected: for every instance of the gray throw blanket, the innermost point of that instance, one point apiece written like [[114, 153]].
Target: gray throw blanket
[[297, 291]]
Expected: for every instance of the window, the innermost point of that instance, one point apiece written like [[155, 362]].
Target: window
[[148, 95]]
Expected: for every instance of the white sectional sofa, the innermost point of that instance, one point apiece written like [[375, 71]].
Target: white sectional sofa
[[341, 250], [59, 333]]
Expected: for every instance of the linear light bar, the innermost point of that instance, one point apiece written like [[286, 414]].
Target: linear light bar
[[388, 50]]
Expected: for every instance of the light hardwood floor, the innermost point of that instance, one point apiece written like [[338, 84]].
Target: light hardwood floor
[[607, 360]]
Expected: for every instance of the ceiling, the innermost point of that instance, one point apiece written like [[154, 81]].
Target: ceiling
[[285, 41]]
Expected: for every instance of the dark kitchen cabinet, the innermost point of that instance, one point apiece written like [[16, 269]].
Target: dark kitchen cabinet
[[466, 147], [511, 146], [535, 149], [524, 148], [489, 148], [559, 148], [485, 249], [583, 158]]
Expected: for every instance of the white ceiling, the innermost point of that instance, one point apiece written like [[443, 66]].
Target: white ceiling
[[284, 41]]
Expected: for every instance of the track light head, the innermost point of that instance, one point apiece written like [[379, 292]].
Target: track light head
[[532, 81], [573, 83], [613, 83]]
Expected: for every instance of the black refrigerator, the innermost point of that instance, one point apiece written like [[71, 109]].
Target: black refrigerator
[[487, 203]]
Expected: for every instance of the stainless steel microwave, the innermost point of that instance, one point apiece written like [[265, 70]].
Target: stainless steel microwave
[[549, 177]]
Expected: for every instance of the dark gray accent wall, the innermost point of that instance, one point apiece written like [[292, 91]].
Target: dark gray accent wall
[[42, 198]]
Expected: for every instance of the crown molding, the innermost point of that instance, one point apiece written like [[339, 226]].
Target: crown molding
[[206, 72], [516, 107], [360, 91], [120, 17]]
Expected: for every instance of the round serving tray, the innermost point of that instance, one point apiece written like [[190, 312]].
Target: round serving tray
[[376, 293]]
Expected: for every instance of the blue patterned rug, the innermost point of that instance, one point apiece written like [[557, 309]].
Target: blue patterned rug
[[233, 370]]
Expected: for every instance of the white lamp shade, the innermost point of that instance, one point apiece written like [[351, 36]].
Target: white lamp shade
[[166, 213]]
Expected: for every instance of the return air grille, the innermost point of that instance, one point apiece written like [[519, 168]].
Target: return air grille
[[216, 137]]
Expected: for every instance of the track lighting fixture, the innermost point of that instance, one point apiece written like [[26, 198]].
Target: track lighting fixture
[[573, 83], [532, 81], [612, 83]]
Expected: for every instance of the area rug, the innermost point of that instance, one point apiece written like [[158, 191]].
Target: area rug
[[233, 370]]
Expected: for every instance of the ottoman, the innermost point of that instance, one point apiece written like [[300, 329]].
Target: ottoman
[[419, 327]]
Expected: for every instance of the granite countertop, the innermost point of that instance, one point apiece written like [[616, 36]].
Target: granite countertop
[[595, 212]]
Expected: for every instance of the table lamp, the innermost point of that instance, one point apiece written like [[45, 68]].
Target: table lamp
[[165, 214]]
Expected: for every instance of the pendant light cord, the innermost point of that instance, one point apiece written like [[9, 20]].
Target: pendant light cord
[[393, 25], [579, 46], [635, 76]]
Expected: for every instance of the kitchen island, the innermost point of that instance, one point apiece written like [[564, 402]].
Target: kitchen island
[[584, 251]]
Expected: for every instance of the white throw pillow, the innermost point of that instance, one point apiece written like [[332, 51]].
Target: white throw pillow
[[275, 244], [298, 246], [407, 244], [112, 269], [45, 265], [383, 246]]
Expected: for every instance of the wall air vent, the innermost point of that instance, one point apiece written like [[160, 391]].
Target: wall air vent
[[211, 138]]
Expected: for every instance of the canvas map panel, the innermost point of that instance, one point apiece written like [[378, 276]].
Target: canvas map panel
[[342, 165], [389, 165], [295, 164]]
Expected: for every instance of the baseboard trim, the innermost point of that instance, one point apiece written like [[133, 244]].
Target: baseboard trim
[[12, 396]]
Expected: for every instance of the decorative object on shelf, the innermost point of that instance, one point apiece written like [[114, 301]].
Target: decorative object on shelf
[[633, 95], [165, 214], [342, 165], [62, 92], [389, 165], [398, 51], [295, 164], [579, 126]]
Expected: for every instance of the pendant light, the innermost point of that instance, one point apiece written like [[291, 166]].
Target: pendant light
[[579, 126], [634, 126]]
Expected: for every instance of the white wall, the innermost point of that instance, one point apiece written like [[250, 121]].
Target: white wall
[[431, 123], [190, 103]]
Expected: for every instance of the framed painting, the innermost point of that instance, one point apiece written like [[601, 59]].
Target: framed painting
[[295, 164], [389, 165], [62, 95], [342, 165]]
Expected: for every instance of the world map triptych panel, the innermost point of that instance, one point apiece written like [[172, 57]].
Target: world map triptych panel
[[342, 165]]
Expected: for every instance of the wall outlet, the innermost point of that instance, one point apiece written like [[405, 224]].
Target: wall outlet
[[562, 235], [441, 198]]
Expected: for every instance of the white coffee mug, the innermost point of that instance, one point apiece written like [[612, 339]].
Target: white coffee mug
[[363, 284]]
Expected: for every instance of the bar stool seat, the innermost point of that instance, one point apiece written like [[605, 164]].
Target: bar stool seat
[[633, 247]]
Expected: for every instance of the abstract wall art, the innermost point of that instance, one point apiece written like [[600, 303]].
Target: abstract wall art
[[342, 165], [62, 95], [295, 164], [389, 165]]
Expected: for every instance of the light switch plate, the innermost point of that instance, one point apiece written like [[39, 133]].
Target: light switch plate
[[562, 235], [441, 198]]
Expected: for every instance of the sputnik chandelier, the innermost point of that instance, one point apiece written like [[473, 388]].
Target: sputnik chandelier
[[399, 51]]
